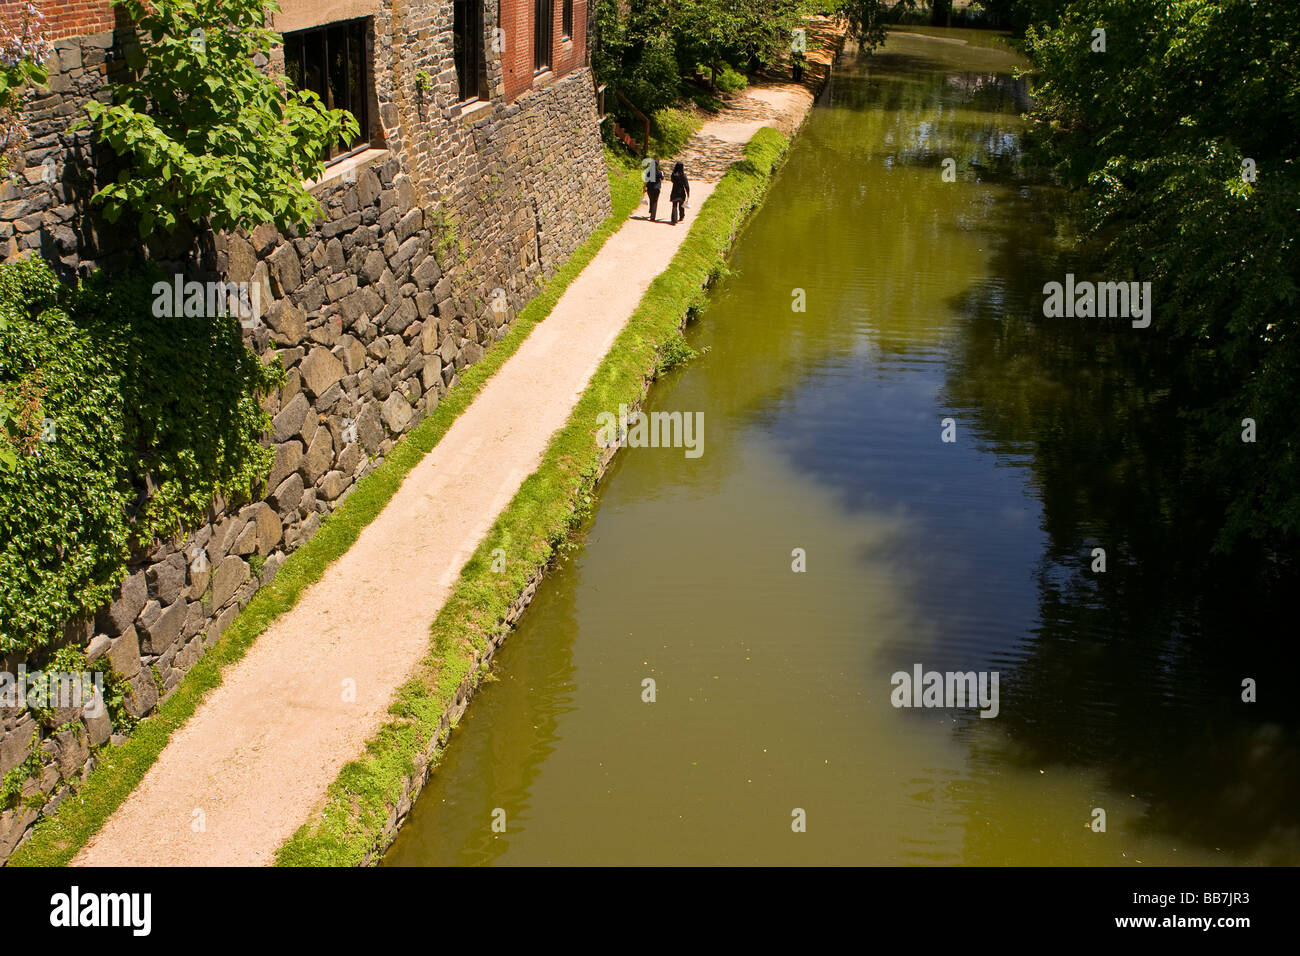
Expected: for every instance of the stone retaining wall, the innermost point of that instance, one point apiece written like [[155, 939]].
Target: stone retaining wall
[[430, 245]]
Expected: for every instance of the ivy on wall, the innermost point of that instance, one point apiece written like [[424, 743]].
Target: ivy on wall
[[139, 423]]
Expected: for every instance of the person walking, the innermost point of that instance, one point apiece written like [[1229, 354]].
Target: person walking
[[654, 180], [681, 192]]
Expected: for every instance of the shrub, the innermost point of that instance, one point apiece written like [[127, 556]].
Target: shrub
[[727, 79]]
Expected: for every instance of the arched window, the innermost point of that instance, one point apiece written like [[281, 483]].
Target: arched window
[[467, 38]]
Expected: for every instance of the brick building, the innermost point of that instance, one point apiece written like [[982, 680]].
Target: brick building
[[478, 170]]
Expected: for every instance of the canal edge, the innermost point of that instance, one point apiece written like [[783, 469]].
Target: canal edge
[[343, 832]]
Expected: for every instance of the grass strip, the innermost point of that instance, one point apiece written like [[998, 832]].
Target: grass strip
[[57, 838], [551, 502]]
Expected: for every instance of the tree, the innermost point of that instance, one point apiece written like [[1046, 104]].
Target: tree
[[636, 54], [205, 136], [707, 31], [646, 48], [867, 19], [1180, 144], [765, 28]]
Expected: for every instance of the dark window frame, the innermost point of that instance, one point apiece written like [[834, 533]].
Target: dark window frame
[[333, 61], [468, 50], [566, 19], [543, 35]]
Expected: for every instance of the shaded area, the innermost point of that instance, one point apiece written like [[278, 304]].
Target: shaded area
[[1138, 670]]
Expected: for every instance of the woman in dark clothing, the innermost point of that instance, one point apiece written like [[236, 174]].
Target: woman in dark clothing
[[653, 181], [681, 190]]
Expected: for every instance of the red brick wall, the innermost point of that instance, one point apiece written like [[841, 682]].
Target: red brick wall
[[571, 53], [516, 21], [63, 18], [517, 60]]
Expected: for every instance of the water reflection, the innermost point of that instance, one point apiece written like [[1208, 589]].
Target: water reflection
[[1136, 671], [823, 433]]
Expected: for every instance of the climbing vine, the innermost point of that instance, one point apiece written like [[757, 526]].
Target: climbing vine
[[142, 421]]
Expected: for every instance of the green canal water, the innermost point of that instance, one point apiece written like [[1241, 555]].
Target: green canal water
[[1118, 691]]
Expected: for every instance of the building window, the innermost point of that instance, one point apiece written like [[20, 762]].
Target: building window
[[331, 61], [467, 34], [566, 19], [543, 25]]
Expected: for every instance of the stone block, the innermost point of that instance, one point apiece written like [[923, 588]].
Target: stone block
[[160, 632], [142, 693], [370, 429], [286, 270], [333, 484], [319, 457], [352, 354], [288, 455], [320, 370], [99, 726], [16, 743], [269, 528], [122, 613], [230, 574], [285, 498], [124, 654], [290, 418], [396, 413], [288, 322], [372, 268], [72, 751], [167, 578]]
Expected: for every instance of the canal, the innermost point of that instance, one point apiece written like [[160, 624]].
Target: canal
[[1119, 689]]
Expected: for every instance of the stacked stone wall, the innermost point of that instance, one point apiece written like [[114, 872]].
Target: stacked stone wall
[[429, 245]]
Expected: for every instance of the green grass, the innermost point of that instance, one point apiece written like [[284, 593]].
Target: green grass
[[670, 128], [549, 504], [57, 838]]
